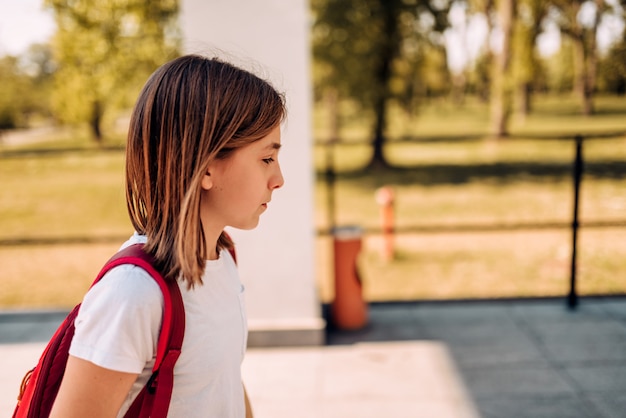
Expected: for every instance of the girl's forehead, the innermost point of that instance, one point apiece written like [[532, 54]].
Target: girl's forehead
[[270, 142]]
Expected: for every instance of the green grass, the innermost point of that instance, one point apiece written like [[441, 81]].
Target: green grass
[[478, 182], [486, 265], [49, 275], [441, 119], [64, 194], [450, 176]]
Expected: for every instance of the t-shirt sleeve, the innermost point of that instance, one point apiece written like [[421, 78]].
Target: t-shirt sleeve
[[119, 321]]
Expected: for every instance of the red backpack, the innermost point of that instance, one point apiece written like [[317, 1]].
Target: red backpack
[[41, 384]]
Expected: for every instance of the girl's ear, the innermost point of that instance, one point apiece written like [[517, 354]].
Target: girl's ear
[[207, 181]]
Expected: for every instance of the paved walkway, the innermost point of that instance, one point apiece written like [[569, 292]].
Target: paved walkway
[[463, 359]]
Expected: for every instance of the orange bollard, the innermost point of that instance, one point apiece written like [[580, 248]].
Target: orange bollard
[[385, 199], [348, 309]]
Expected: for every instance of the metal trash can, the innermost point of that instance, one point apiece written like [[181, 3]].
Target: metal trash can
[[349, 310]]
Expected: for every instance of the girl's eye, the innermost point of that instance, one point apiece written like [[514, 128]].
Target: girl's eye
[[268, 160]]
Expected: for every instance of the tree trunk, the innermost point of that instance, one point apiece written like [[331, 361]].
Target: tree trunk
[[592, 60], [524, 55], [332, 106], [95, 122], [585, 55], [523, 100], [459, 83], [581, 80], [378, 155], [501, 89], [388, 52]]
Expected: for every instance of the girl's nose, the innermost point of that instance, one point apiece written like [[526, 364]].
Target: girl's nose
[[277, 180]]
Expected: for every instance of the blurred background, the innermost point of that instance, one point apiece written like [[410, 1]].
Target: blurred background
[[446, 129]]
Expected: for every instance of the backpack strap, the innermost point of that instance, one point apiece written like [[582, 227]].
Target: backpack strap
[[155, 397]]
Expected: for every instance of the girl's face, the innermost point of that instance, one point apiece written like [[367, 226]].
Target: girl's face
[[238, 188]]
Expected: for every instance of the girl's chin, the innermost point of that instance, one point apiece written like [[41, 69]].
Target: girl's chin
[[247, 226]]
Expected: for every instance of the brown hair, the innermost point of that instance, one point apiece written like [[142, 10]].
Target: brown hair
[[191, 111]]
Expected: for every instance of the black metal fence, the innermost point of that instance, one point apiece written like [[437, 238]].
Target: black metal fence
[[577, 173]]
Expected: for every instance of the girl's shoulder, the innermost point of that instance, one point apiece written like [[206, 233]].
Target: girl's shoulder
[[118, 323], [129, 278], [128, 283], [128, 288]]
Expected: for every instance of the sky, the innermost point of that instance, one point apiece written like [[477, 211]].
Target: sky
[[22, 23]]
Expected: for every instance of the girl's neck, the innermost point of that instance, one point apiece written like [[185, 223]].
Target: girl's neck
[[211, 236], [212, 255]]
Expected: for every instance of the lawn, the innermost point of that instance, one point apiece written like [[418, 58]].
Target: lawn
[[451, 185]]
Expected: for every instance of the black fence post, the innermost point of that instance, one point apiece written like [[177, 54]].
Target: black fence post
[[572, 298]]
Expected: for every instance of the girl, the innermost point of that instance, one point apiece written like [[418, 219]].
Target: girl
[[202, 154]]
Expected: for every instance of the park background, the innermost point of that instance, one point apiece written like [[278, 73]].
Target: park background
[[467, 109]]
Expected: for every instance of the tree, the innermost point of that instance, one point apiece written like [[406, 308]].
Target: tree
[[37, 63], [501, 81], [559, 70], [579, 20], [104, 50], [525, 62], [26, 81], [481, 71], [612, 69], [513, 64], [10, 95], [494, 68], [367, 50]]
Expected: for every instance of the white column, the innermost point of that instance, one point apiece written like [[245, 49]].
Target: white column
[[271, 39]]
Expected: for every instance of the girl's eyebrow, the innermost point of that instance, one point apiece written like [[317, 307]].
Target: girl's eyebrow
[[273, 145]]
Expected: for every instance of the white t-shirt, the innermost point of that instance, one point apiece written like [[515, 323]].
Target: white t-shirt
[[118, 328]]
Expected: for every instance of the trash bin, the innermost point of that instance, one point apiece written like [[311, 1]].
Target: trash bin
[[348, 309]]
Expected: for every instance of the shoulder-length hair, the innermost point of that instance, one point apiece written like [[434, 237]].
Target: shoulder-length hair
[[191, 111]]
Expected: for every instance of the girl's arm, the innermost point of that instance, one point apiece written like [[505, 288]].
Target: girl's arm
[[92, 391]]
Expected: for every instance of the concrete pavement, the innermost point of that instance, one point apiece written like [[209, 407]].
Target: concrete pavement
[[451, 359]]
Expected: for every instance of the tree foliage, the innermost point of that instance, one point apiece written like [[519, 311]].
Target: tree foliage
[[579, 20], [559, 69], [10, 97], [26, 83], [104, 50], [612, 69], [371, 51]]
